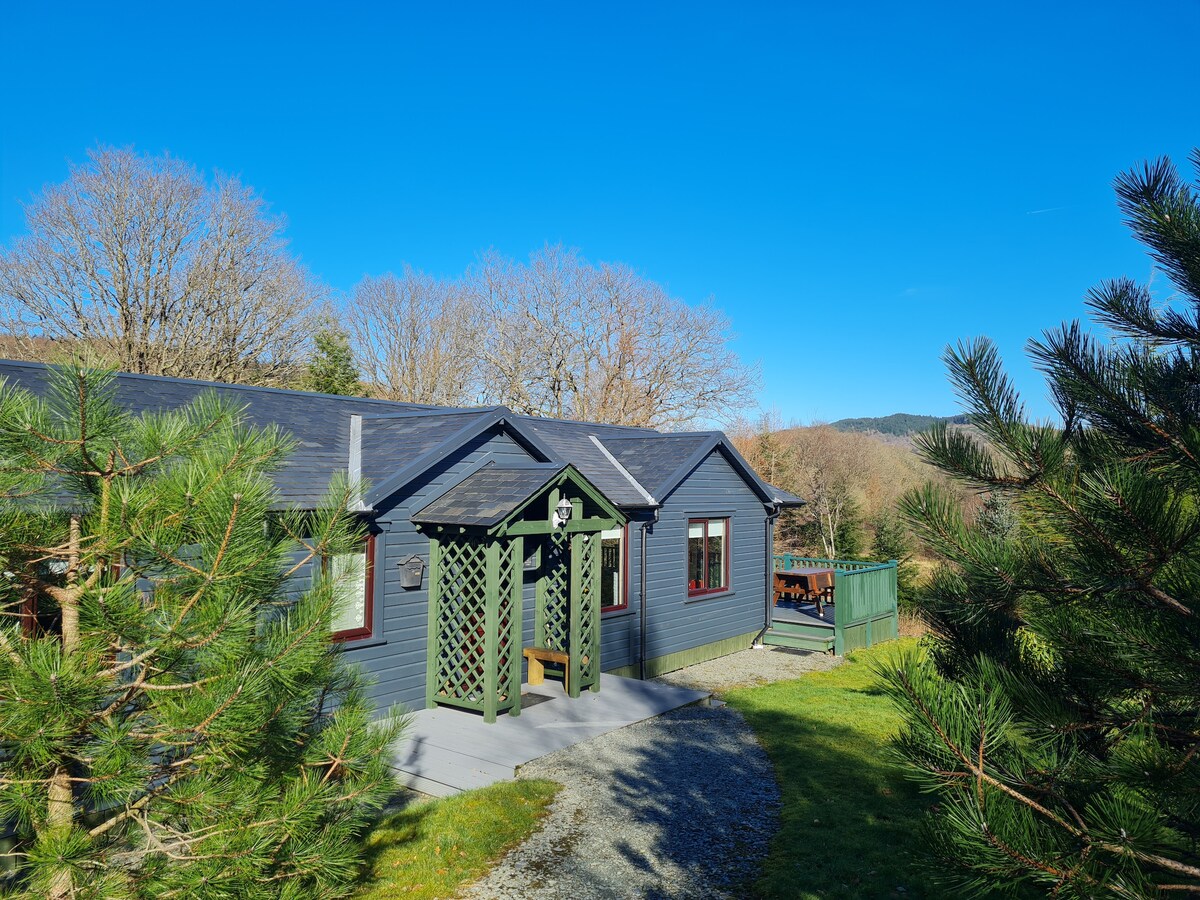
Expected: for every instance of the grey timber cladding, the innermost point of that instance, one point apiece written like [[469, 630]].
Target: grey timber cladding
[[488, 496], [676, 621]]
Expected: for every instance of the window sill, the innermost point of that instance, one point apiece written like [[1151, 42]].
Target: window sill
[[619, 613], [361, 643], [715, 595]]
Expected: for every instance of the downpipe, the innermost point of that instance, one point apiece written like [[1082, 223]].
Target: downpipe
[[642, 599], [768, 585]]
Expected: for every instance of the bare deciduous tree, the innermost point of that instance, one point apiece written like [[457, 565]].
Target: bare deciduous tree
[[142, 261], [416, 338], [602, 343], [555, 337]]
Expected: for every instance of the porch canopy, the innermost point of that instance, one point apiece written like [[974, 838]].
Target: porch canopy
[[485, 533]]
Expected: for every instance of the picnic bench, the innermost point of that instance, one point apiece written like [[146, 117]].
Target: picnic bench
[[805, 584]]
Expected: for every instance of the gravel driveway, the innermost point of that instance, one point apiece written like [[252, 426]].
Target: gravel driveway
[[679, 806]]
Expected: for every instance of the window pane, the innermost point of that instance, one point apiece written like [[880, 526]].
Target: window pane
[[696, 556], [612, 573], [716, 558], [349, 572]]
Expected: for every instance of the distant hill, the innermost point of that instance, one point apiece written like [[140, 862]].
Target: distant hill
[[898, 424]]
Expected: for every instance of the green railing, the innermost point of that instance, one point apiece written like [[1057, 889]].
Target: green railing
[[864, 595], [792, 561]]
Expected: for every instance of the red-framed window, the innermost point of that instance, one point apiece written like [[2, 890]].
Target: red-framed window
[[614, 569], [707, 556], [354, 575]]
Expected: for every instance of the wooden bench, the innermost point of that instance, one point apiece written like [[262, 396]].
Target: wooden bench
[[539, 656]]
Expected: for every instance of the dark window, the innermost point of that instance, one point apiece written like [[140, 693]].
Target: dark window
[[353, 575], [708, 555], [613, 556]]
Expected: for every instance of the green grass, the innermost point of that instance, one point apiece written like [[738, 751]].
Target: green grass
[[849, 819], [433, 848]]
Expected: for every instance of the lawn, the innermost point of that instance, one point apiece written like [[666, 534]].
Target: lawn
[[848, 824], [432, 848]]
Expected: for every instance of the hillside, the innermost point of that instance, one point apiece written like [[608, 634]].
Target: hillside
[[898, 424]]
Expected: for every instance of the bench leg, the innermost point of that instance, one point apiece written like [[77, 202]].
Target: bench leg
[[537, 670]]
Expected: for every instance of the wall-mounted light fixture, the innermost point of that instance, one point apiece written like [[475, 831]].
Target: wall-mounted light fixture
[[562, 512]]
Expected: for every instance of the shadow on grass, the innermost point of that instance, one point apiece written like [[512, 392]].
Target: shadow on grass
[[694, 806], [424, 848], [849, 825]]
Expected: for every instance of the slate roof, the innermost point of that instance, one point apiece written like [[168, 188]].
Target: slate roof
[[489, 495], [320, 423], [653, 459], [392, 443], [401, 440], [572, 442]]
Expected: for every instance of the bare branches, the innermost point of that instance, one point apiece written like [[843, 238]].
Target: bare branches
[[558, 337], [139, 260]]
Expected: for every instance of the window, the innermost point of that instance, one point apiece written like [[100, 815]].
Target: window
[[352, 574], [612, 570], [708, 556]]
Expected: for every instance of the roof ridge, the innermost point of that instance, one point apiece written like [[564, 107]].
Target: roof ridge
[[32, 364], [646, 495], [581, 422], [435, 411], [668, 434]]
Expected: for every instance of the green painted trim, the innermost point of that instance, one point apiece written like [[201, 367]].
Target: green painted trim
[[432, 647], [573, 615], [802, 630], [491, 619], [799, 642], [594, 613], [661, 665], [517, 563]]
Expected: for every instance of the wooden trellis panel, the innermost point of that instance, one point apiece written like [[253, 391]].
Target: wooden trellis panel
[[585, 612], [475, 624], [553, 623]]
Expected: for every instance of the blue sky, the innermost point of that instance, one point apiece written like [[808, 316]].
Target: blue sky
[[856, 187]]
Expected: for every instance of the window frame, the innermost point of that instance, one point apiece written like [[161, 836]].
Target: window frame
[[624, 605], [367, 629], [725, 586]]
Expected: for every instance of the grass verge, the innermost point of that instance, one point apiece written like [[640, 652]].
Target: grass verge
[[848, 822], [433, 849]]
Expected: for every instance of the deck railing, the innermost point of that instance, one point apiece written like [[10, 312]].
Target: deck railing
[[864, 594]]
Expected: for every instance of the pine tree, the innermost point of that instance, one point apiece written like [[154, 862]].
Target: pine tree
[[1057, 712], [893, 541], [330, 368], [995, 516], [173, 723]]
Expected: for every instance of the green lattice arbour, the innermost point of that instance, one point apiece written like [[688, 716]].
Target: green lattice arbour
[[475, 600]]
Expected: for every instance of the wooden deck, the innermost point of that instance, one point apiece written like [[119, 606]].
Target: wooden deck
[[447, 750], [802, 614], [798, 627]]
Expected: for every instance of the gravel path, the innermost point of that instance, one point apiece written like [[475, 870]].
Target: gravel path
[[680, 806]]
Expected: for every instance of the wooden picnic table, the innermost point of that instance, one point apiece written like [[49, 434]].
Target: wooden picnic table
[[809, 583]]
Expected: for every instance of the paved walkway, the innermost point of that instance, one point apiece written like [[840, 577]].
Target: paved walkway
[[446, 750], [680, 806]]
